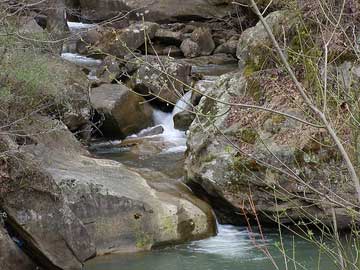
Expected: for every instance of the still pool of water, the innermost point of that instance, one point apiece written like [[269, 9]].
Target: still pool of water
[[232, 249]]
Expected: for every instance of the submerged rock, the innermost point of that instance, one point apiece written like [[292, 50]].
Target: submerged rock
[[125, 112]]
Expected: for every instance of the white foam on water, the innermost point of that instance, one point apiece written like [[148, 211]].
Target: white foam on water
[[81, 60], [231, 241], [177, 138], [166, 121], [79, 25], [183, 104]]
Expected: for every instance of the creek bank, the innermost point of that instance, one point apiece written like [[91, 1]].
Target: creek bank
[[262, 165], [103, 206]]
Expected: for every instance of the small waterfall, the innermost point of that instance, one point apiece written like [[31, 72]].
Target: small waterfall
[[69, 49], [76, 26], [81, 60], [183, 104], [166, 121]]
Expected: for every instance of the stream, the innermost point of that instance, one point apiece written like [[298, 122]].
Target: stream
[[233, 247]]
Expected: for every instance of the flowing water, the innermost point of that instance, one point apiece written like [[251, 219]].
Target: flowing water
[[234, 248]]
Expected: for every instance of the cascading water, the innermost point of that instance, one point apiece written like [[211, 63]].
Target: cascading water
[[170, 134], [81, 60]]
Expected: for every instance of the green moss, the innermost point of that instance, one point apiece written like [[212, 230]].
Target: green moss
[[168, 224], [278, 119], [249, 135], [254, 90], [209, 158], [143, 240]]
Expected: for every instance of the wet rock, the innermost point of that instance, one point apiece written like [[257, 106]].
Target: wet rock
[[151, 131], [163, 78], [12, 257], [190, 48], [213, 65], [125, 112], [202, 36], [183, 120], [229, 47]]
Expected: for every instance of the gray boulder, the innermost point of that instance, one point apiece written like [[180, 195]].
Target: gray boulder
[[125, 112], [202, 36], [190, 48], [254, 43], [161, 77], [38, 213], [235, 176], [121, 209]]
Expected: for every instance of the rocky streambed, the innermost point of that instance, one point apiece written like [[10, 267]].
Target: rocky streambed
[[145, 144]]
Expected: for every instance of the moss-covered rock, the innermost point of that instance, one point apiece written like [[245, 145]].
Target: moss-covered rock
[[254, 46], [244, 157]]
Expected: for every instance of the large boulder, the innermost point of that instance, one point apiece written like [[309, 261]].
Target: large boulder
[[38, 214], [202, 36], [190, 48], [158, 10], [260, 164], [183, 120], [254, 43], [122, 210], [125, 112], [161, 77], [12, 257]]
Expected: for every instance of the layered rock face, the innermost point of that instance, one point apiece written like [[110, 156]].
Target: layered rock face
[[253, 164], [73, 207], [121, 210], [158, 10]]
